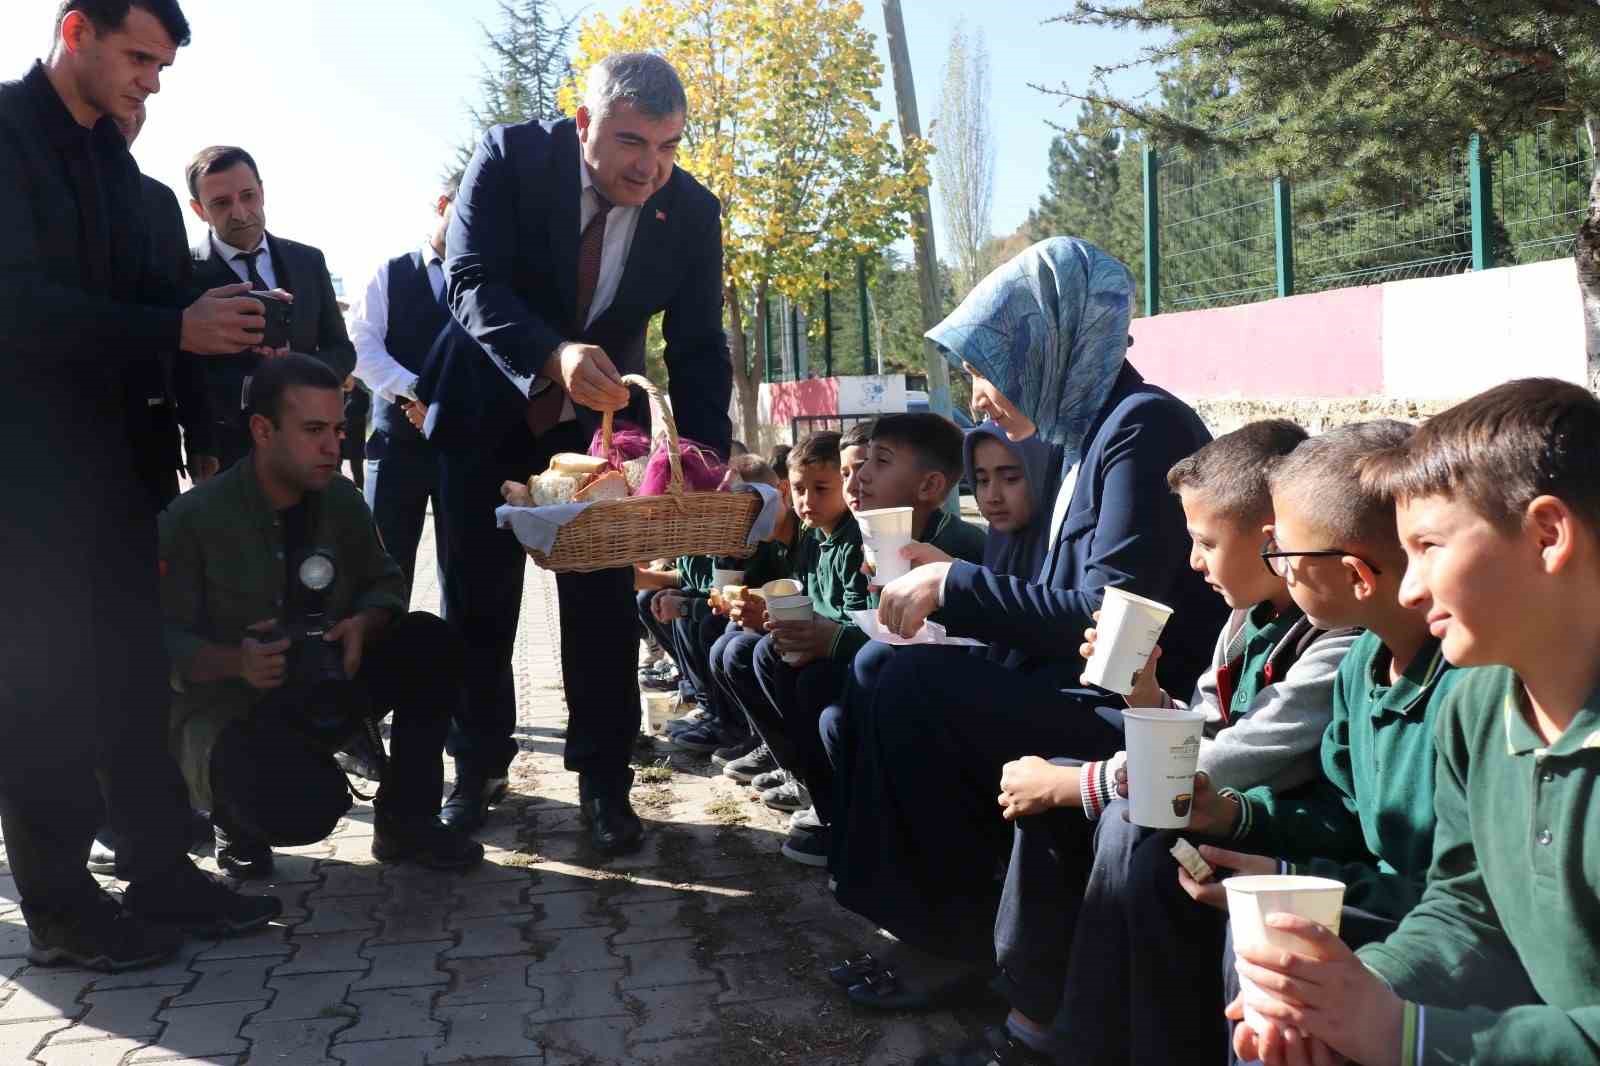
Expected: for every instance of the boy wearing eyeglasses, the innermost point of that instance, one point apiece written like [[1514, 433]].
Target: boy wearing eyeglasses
[[1267, 698]]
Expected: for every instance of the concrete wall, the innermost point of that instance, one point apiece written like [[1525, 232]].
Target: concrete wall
[[781, 401]]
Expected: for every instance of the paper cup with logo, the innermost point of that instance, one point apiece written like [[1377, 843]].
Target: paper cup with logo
[[883, 533], [1252, 899], [795, 608], [1163, 747], [722, 578], [1129, 628]]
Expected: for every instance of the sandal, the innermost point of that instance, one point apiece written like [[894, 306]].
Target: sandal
[[854, 971]]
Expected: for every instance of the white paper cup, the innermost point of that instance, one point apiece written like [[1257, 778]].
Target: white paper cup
[[783, 586], [790, 609], [1163, 747], [1252, 899], [658, 710], [724, 578], [883, 533], [1129, 628]]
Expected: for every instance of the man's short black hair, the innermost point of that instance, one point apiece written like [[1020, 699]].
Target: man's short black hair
[[935, 439], [278, 375], [107, 16], [215, 160], [822, 447]]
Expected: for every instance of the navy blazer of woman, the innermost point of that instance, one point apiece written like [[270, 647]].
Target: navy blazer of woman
[[1124, 528]]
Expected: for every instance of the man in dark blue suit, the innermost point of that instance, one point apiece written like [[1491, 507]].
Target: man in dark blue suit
[[568, 238]]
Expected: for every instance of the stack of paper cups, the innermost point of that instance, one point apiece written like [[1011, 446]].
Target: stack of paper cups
[[883, 533], [1252, 899], [1129, 628], [1163, 748]]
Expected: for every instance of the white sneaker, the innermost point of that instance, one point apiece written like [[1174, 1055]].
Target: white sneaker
[[805, 821]]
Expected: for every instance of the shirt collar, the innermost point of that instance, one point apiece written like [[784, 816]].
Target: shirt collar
[[229, 252], [1522, 739], [429, 256], [934, 526], [1416, 682], [846, 526]]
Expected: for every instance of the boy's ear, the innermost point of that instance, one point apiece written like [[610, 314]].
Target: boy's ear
[[934, 486], [1363, 581], [1554, 528]]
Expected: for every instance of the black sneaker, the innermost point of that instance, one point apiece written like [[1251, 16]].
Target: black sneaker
[[427, 842], [809, 847], [187, 898], [704, 738], [748, 767], [737, 750], [103, 853], [99, 936], [363, 756], [243, 858]]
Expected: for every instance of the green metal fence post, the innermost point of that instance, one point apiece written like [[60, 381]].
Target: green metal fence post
[[1283, 233], [827, 323], [1481, 180], [1152, 233], [866, 314]]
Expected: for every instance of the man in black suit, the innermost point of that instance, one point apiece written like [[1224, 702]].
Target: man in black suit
[[84, 691], [168, 391], [228, 196], [567, 238]]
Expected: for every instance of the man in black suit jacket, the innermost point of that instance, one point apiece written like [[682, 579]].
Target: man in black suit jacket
[[168, 391], [228, 196], [84, 691], [567, 238]]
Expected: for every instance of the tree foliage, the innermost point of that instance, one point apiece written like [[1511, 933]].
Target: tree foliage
[[782, 97], [1093, 189], [528, 62], [964, 164]]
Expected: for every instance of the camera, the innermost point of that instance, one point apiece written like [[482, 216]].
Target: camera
[[279, 313], [319, 699]]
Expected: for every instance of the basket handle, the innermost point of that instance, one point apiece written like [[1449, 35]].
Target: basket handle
[[657, 404]]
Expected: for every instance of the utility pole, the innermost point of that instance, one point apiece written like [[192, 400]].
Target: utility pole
[[905, 97]]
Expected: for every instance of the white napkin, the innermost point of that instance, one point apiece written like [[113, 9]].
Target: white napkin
[[930, 633]]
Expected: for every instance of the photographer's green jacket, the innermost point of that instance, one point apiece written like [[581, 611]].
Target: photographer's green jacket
[[222, 571]]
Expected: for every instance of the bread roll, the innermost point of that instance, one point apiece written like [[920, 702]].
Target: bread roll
[[548, 489], [608, 486], [574, 465]]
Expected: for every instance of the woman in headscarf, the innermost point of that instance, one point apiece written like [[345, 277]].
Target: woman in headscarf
[[919, 847]]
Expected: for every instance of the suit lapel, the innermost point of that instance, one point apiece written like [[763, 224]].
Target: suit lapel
[[282, 269], [646, 256], [564, 215]]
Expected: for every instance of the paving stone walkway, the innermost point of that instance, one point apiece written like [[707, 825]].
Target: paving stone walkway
[[706, 947]]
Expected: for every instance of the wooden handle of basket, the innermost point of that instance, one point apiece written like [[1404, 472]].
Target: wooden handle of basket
[[656, 403]]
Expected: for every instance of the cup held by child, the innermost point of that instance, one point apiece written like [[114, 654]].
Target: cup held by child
[[1125, 636], [884, 532], [1251, 900], [792, 608], [1163, 749]]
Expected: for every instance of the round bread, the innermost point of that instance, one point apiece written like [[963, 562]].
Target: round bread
[[574, 465]]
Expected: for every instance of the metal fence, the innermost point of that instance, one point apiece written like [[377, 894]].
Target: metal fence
[[1213, 238]]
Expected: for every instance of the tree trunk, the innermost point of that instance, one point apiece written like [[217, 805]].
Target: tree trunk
[[1586, 254], [746, 372]]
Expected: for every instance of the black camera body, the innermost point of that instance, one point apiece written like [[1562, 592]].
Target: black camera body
[[320, 700], [279, 314]]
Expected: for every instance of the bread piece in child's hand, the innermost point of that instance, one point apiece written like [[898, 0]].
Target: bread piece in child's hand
[[552, 488], [1190, 860], [608, 486]]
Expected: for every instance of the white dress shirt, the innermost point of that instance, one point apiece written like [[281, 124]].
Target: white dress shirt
[[369, 331], [263, 262]]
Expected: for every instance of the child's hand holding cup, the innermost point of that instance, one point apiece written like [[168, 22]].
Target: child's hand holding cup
[[1146, 691]]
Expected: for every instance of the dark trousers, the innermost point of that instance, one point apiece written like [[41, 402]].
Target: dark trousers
[[398, 488], [789, 716], [692, 639], [918, 847], [483, 600], [733, 672], [414, 670], [84, 694]]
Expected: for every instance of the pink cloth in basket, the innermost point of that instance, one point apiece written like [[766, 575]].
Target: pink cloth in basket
[[702, 470]]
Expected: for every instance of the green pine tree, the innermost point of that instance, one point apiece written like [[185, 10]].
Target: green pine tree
[[529, 60]]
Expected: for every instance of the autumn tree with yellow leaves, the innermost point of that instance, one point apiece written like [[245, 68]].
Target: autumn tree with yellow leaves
[[781, 128]]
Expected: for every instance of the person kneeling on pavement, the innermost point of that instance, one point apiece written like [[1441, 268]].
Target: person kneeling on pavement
[[287, 626]]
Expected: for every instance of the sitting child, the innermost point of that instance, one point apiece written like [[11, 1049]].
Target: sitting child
[[1499, 513], [855, 446], [1267, 699], [915, 461]]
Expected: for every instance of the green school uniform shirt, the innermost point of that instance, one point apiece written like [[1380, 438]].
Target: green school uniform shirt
[[830, 567], [955, 536], [223, 570], [694, 573], [1264, 628], [1375, 798], [773, 559], [1503, 951]]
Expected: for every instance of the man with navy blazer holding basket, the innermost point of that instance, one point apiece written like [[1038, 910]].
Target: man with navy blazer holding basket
[[568, 238]]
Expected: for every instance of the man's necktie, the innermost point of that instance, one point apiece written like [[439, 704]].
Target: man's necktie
[[544, 409], [257, 282]]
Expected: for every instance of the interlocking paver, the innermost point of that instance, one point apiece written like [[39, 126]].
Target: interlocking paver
[[482, 937], [386, 1052], [485, 1030], [591, 1040], [342, 914], [661, 962], [88, 1052], [673, 1013], [39, 993], [404, 965], [122, 1012], [503, 979], [293, 1043], [392, 1013], [328, 953], [649, 921], [229, 981], [308, 995], [573, 951], [408, 922], [200, 1031], [341, 878], [13, 938], [578, 995], [498, 897], [569, 910]]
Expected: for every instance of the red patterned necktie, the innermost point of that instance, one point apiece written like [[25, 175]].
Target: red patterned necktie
[[544, 410]]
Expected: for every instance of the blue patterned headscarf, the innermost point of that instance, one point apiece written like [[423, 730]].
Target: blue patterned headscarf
[[1050, 330]]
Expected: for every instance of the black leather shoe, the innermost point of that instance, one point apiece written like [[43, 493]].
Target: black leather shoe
[[425, 841], [189, 899], [470, 801], [613, 827], [242, 858]]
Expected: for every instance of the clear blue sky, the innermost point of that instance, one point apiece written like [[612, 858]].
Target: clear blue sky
[[352, 107]]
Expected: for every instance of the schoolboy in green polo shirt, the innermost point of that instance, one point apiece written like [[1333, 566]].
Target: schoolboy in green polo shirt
[[1499, 512], [914, 460]]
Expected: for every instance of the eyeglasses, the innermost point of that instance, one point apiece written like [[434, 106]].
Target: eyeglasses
[[1277, 562]]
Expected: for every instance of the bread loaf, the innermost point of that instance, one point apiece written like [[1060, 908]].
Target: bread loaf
[[551, 488], [574, 465], [608, 486]]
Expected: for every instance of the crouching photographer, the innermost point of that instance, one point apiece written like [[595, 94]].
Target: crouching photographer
[[287, 626]]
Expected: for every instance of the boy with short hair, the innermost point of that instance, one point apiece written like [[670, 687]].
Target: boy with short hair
[[855, 446], [915, 460], [1267, 698], [1499, 513]]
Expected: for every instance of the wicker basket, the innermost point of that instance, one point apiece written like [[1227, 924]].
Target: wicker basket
[[613, 533]]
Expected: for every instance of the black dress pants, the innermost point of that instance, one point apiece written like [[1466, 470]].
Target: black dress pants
[[398, 487], [788, 718], [84, 692], [483, 600]]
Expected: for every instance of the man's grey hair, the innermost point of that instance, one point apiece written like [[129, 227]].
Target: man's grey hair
[[643, 79]]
